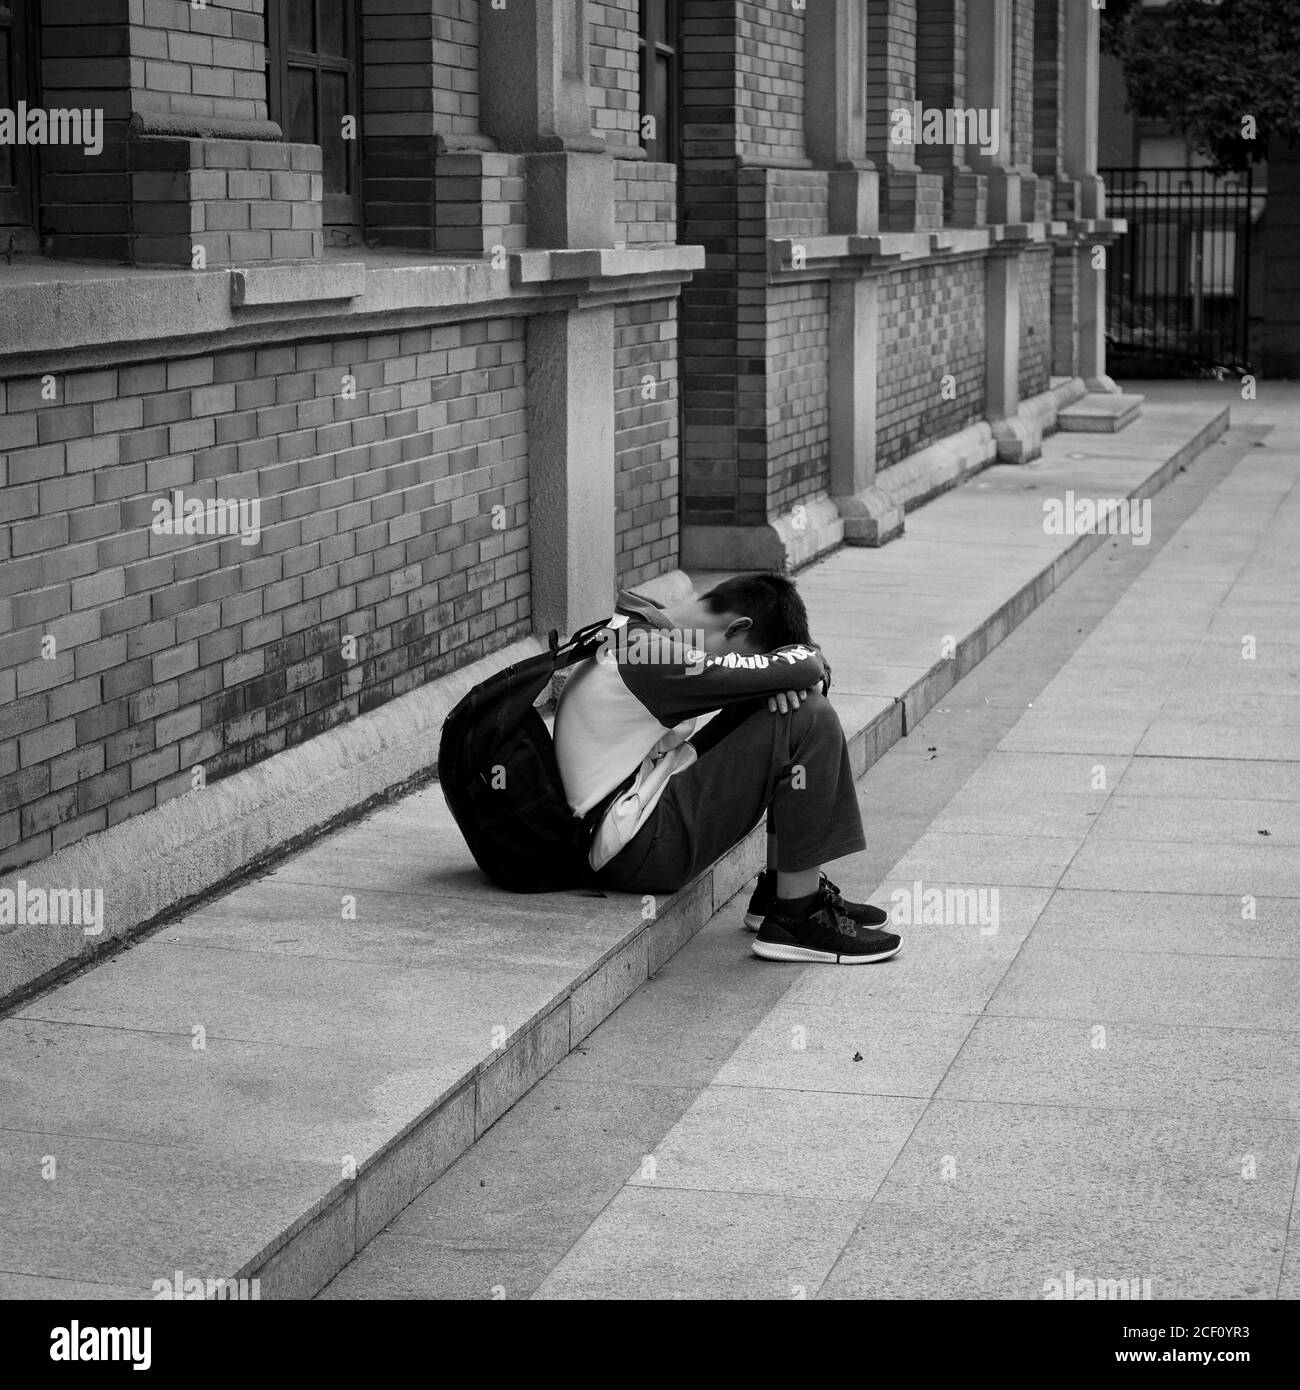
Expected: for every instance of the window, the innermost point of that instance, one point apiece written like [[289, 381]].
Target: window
[[659, 30], [17, 209], [312, 86]]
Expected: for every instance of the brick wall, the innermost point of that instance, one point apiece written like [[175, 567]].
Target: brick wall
[[479, 202], [798, 202], [891, 75], [645, 439], [613, 77], [240, 200], [931, 325], [171, 650], [769, 81], [645, 202], [798, 401], [1049, 44], [209, 61], [1022, 83], [1035, 322], [941, 83], [419, 81]]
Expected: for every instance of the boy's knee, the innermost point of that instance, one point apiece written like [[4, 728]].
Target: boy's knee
[[816, 712]]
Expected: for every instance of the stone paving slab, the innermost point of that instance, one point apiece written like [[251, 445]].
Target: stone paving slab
[[437, 1041]]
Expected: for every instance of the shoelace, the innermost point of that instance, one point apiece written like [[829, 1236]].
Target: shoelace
[[831, 913]]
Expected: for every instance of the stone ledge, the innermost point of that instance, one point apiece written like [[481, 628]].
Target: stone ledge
[[297, 284], [66, 317]]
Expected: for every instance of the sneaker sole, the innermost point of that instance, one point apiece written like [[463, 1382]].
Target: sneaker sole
[[771, 950]]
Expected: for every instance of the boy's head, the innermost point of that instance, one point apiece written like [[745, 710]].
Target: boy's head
[[751, 614]]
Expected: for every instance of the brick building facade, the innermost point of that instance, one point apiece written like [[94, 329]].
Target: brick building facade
[[491, 307]]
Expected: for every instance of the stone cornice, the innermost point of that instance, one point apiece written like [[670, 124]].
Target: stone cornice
[[64, 317]]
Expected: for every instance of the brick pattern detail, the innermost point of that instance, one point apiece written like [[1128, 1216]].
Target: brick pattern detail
[[769, 80], [209, 61], [1065, 312], [645, 439], [798, 202], [645, 202], [891, 77], [1022, 83], [613, 70], [419, 82], [941, 80], [1049, 55], [240, 200], [1035, 322], [931, 325], [480, 203], [170, 651], [798, 393]]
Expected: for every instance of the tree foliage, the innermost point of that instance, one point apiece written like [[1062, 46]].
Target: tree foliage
[[1218, 71]]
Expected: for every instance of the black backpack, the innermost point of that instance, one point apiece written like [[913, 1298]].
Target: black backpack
[[499, 773]]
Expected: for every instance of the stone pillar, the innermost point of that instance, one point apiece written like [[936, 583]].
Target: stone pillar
[[988, 88], [910, 198], [835, 113], [533, 100], [571, 467], [835, 48], [1081, 85], [854, 328], [1018, 441]]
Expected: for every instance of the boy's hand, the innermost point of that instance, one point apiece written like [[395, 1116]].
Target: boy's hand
[[787, 701]]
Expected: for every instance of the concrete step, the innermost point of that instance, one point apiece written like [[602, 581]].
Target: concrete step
[[1100, 412], [255, 1090]]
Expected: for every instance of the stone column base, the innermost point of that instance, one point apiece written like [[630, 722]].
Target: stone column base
[[785, 543], [875, 515]]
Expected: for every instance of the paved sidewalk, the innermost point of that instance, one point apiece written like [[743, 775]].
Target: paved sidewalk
[[1104, 1087], [950, 1123], [260, 1087]]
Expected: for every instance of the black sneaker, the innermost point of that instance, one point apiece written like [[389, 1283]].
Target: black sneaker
[[764, 901], [823, 934]]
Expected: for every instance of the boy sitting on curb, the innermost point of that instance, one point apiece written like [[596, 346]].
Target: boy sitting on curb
[[630, 725]]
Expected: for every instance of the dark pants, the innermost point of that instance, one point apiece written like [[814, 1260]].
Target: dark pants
[[794, 766]]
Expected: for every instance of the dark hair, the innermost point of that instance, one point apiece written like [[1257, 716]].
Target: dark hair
[[771, 601]]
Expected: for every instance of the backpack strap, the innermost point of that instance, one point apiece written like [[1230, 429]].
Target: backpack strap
[[581, 645]]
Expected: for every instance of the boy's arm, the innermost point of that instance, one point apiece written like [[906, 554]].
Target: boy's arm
[[675, 682]]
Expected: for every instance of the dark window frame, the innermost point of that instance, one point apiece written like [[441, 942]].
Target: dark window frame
[[18, 202], [659, 45], [342, 212]]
